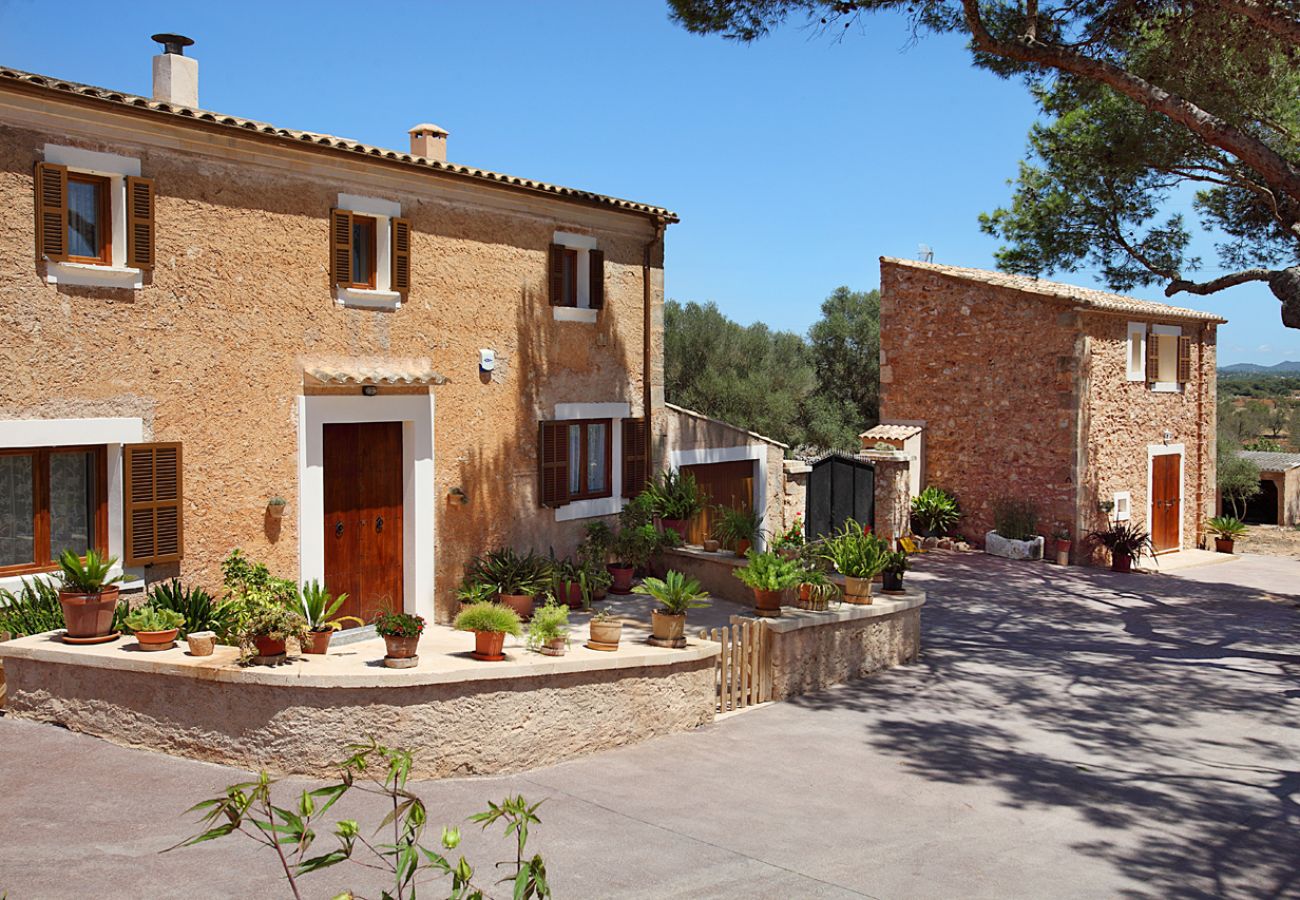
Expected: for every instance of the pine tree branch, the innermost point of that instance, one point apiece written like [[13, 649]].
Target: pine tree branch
[[1266, 16], [1214, 285]]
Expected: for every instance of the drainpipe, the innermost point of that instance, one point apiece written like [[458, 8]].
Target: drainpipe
[[647, 346]]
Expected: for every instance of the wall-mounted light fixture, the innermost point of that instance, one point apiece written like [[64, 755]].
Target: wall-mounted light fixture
[[369, 390], [1169, 435]]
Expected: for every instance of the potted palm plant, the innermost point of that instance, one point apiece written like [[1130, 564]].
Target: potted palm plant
[[859, 556], [769, 576], [318, 608], [676, 594], [1124, 541], [155, 629], [548, 632], [490, 622], [735, 528], [88, 597], [1226, 530], [606, 630], [675, 499], [895, 566]]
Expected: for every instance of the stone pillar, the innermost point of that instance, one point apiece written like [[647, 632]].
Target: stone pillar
[[893, 492], [795, 490]]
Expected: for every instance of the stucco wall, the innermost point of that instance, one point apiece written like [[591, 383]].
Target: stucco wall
[[211, 351]]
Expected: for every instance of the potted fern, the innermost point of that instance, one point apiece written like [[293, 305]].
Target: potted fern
[[736, 528], [676, 594], [769, 576], [675, 499], [155, 629], [88, 597], [490, 622], [318, 608], [859, 556], [548, 632], [1226, 530]]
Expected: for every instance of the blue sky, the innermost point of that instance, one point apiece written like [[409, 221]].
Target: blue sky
[[794, 162]]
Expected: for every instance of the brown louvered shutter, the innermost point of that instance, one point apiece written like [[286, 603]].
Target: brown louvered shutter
[[596, 260], [1184, 360], [154, 494], [139, 223], [401, 276], [555, 270], [341, 246], [553, 463], [51, 212], [636, 447], [1153, 357]]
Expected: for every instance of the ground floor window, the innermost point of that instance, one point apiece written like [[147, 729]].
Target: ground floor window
[[51, 499], [589, 459]]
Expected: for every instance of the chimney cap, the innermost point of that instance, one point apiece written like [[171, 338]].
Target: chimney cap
[[173, 43], [429, 128]]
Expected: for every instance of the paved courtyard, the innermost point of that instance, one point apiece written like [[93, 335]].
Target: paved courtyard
[[1068, 733]]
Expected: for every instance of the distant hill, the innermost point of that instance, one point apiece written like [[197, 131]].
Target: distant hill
[[1282, 368]]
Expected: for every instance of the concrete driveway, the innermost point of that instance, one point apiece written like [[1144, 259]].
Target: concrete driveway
[[1068, 733]]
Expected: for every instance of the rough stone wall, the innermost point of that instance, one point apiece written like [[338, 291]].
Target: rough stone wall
[[462, 728], [1289, 498], [796, 491], [812, 659], [1123, 418], [993, 375], [893, 495], [211, 351]]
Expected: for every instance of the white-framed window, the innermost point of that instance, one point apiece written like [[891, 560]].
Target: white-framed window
[[366, 280], [582, 454], [107, 238], [576, 277], [1137, 351], [1123, 506], [1166, 338]]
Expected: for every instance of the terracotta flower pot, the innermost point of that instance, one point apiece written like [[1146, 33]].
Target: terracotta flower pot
[[89, 615], [606, 632], [892, 582], [767, 603], [520, 603], [742, 547], [318, 641], [711, 545], [805, 593], [787, 553], [554, 647], [202, 643], [665, 627], [1223, 545], [622, 576], [857, 590], [156, 640], [677, 525], [488, 645], [268, 646], [400, 647], [1121, 562], [572, 594]]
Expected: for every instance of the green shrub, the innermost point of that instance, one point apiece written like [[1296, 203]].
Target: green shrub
[[768, 572], [241, 575], [935, 510], [491, 617], [635, 546], [198, 609], [735, 525], [675, 592], [1016, 520], [673, 494], [550, 622], [147, 618], [855, 551]]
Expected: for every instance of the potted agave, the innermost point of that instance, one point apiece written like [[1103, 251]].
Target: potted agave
[[606, 630], [859, 556], [490, 622], [736, 528], [675, 499], [1226, 530], [892, 573], [548, 632], [401, 633], [1124, 541], [769, 576], [676, 594], [318, 608], [88, 597], [155, 629]]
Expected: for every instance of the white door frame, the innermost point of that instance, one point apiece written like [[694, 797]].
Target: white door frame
[[1154, 450], [415, 412], [756, 452]]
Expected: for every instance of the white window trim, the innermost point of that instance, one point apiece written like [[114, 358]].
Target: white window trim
[[1174, 331], [415, 412], [584, 244], [614, 503], [1123, 509], [117, 169], [382, 296], [756, 452], [112, 434], [1154, 450], [1137, 332]]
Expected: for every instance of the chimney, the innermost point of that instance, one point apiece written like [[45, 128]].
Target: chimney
[[175, 75], [429, 141]]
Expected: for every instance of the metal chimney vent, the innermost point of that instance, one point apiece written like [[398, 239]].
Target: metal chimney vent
[[173, 43]]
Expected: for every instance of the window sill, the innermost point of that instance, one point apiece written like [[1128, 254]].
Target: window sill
[[587, 509], [575, 314], [367, 299], [131, 581], [90, 275], [1166, 387]]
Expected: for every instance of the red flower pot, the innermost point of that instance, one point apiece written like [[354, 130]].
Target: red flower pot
[[767, 603], [268, 646], [400, 647], [572, 594], [622, 576], [488, 645], [1223, 545], [677, 525], [1121, 562], [318, 641]]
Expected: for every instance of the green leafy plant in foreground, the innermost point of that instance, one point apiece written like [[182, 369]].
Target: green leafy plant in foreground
[[768, 572], [88, 576], [146, 618], [248, 809], [199, 610], [490, 617]]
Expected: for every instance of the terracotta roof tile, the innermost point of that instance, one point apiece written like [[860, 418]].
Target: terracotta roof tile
[[1271, 462], [891, 432], [345, 372]]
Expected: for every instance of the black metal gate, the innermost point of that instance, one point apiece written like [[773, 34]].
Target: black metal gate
[[840, 487]]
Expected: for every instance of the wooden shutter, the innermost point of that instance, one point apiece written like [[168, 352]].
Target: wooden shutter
[[1184, 360], [51, 212], [341, 247], [154, 496], [401, 257], [636, 448], [139, 223], [553, 463], [555, 280], [596, 265], [1153, 357]]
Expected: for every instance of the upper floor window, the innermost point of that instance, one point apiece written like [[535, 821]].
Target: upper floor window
[[363, 251], [1160, 355], [370, 252], [90, 219], [576, 277]]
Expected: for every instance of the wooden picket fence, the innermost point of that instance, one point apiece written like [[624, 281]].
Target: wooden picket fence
[[744, 671]]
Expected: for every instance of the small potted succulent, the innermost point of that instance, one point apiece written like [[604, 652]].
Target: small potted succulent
[[490, 622], [676, 594], [606, 629], [401, 633], [269, 624], [859, 556], [318, 608], [155, 629], [548, 632], [88, 596], [675, 499], [1125, 542], [1063, 543], [736, 528], [276, 506], [769, 576], [1227, 530], [892, 573]]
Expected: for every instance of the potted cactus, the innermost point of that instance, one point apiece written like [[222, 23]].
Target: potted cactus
[[1227, 530], [155, 629], [88, 596], [676, 594], [490, 622]]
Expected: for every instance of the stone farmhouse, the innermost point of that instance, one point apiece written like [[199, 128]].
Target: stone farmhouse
[[357, 364], [1088, 404]]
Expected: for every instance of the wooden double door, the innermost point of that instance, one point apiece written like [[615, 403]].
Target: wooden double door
[[1166, 501], [363, 516]]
